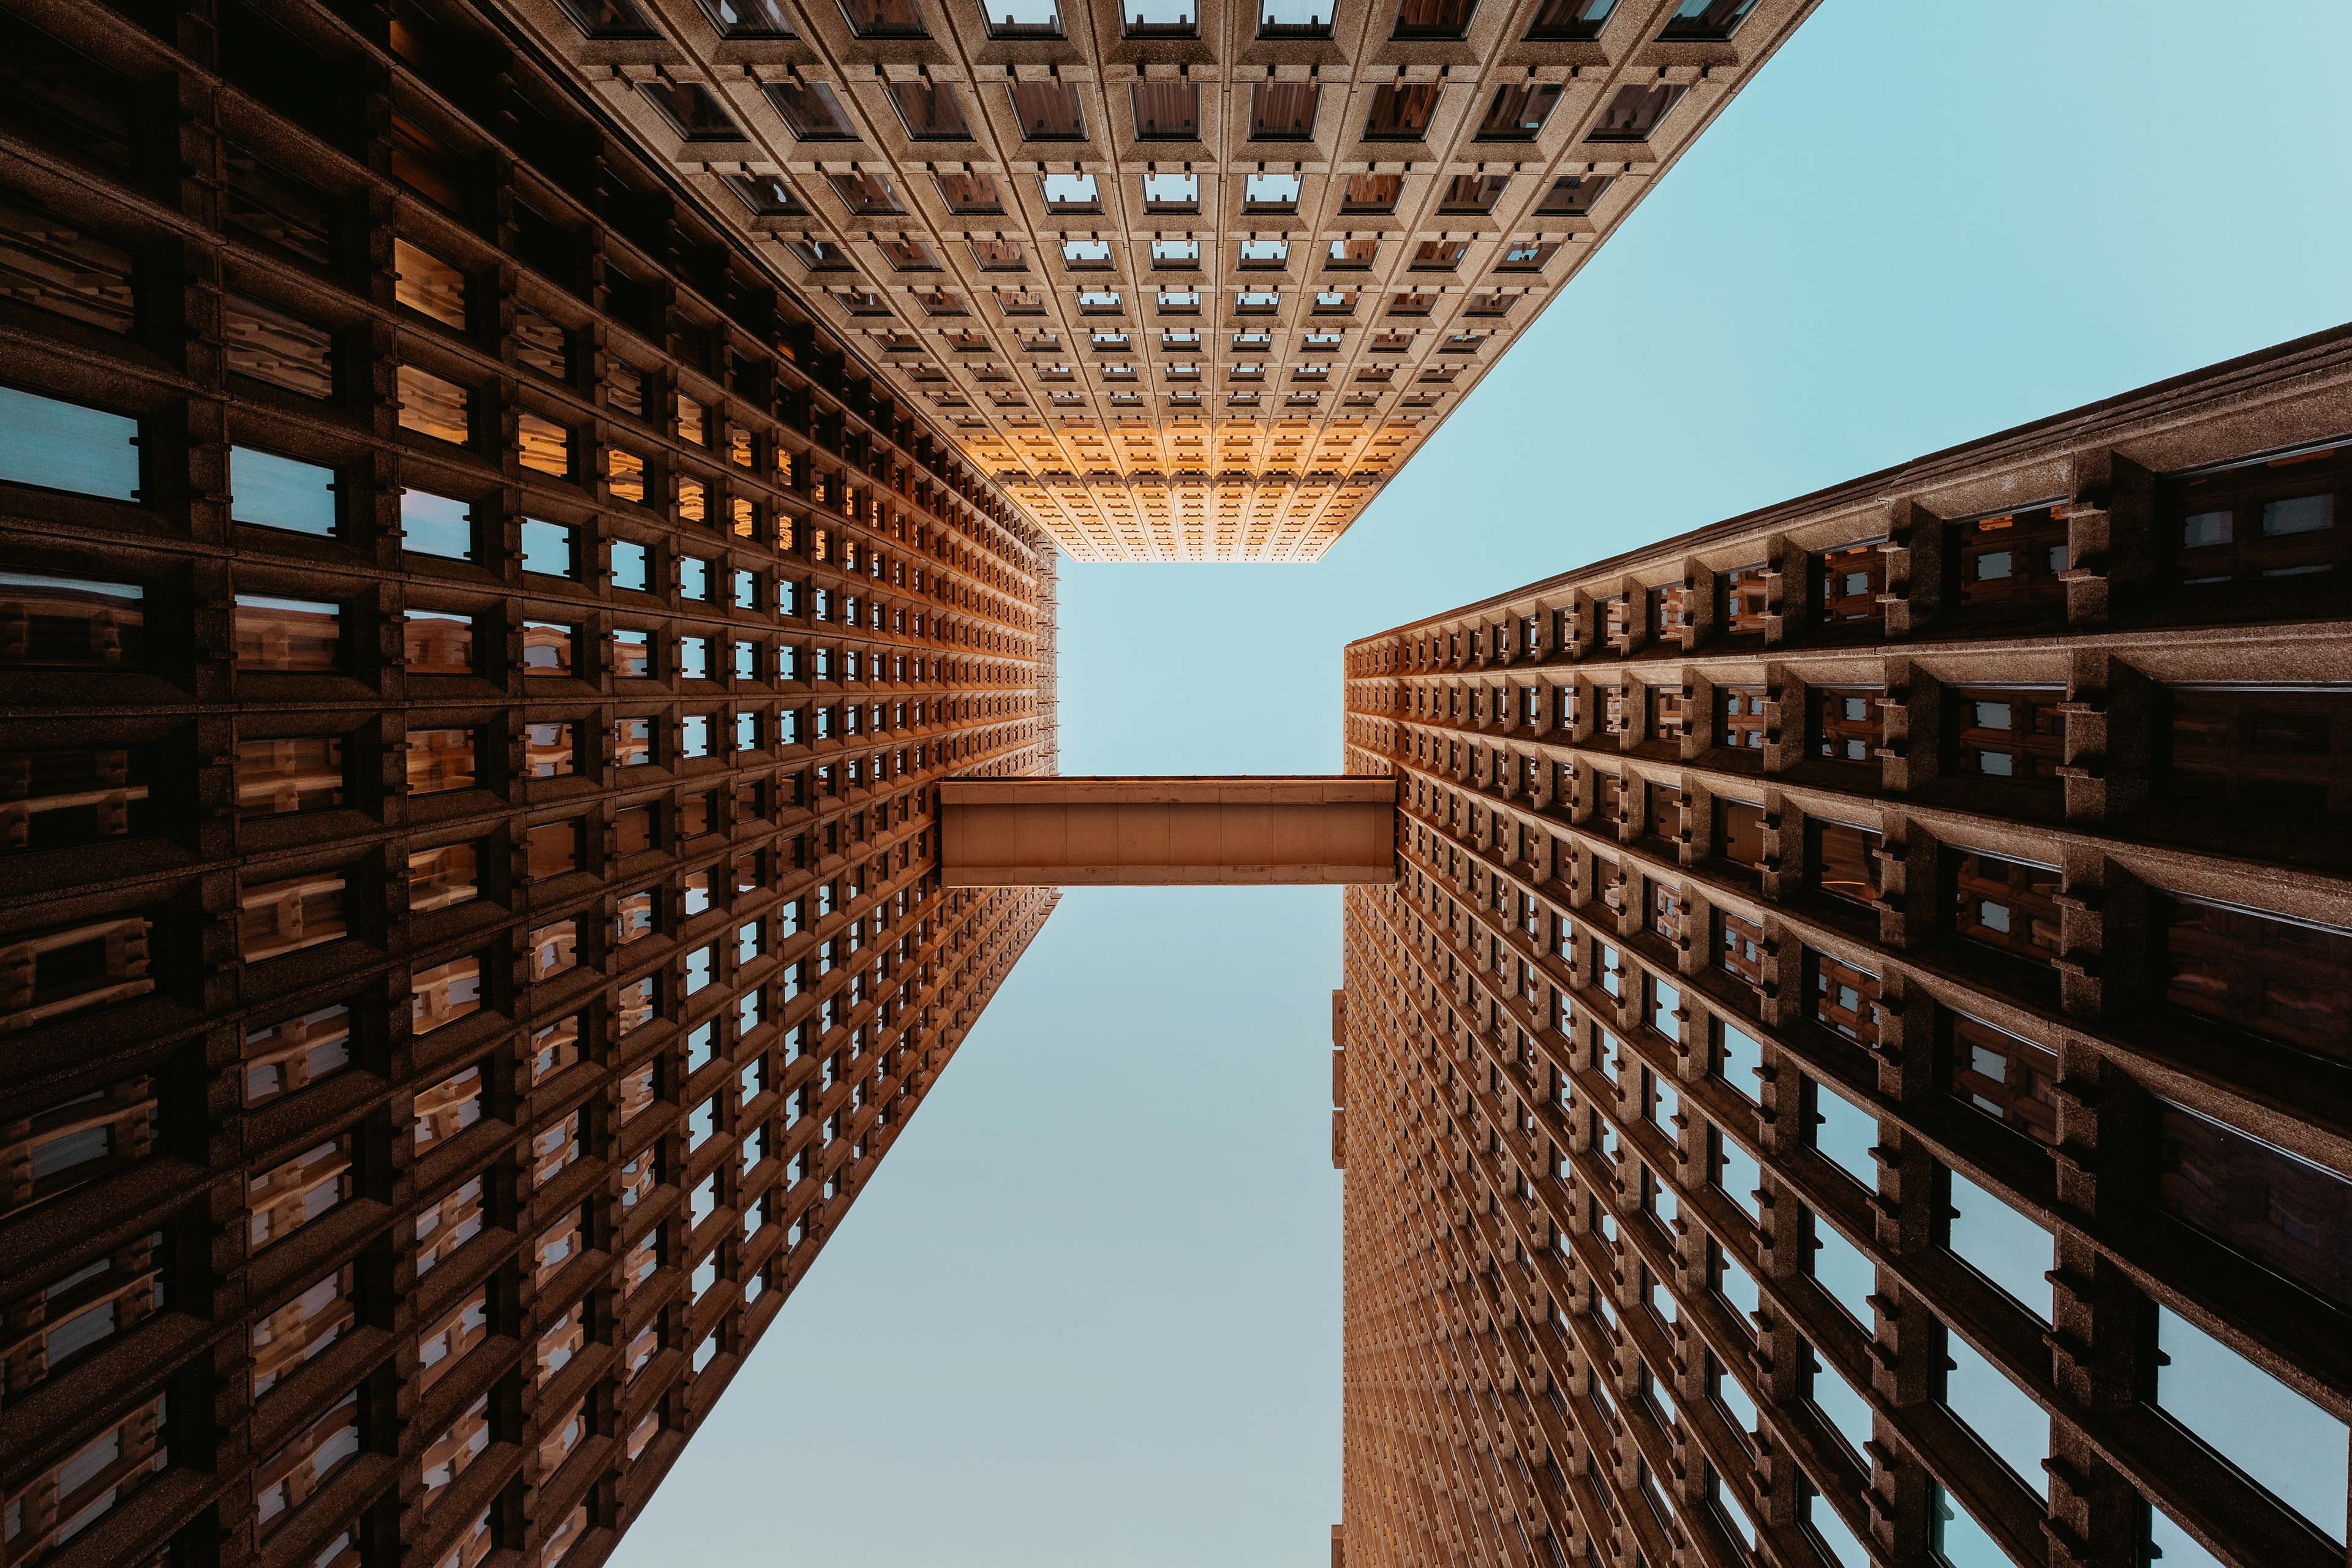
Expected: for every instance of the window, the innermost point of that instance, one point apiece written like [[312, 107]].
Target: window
[[691, 110], [2011, 562], [281, 917], [1284, 111], [884, 18], [1706, 19], [1570, 19], [2012, 1251], [1401, 112], [439, 761], [1738, 1177], [546, 547], [1739, 718], [1842, 998], [2284, 980], [286, 1339], [286, 635], [811, 110], [1634, 112], [2000, 1415], [1432, 18], [2010, 905], [1518, 114], [1047, 110], [1843, 1134], [1843, 1271], [1832, 1531], [296, 1052], [1024, 19], [1843, 862], [286, 1197], [1849, 725], [271, 491], [436, 525], [1848, 580], [2013, 734], [1166, 110], [931, 111], [1573, 195], [2011, 1080], [1078, 193], [2260, 750], [1370, 193], [2258, 1199], [972, 195], [1270, 193], [438, 642], [2267, 518], [1846, 1411]]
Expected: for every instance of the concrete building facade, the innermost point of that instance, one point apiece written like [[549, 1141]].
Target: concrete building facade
[[1851, 1068], [1191, 280], [477, 664]]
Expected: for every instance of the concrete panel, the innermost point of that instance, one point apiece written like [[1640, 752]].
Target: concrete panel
[[1138, 832]]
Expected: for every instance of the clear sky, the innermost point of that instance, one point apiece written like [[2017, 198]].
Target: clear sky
[[1086, 1315]]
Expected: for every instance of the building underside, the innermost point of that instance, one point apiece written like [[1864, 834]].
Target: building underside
[[1191, 281]]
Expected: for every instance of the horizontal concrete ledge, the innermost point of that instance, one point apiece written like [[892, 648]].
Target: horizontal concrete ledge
[[1167, 832]]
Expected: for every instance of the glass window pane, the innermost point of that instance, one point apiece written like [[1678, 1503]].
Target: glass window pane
[[66, 447], [2003, 1418], [2168, 1545], [1846, 1134], [2002, 1245], [1843, 1271], [1959, 1541], [2252, 1419], [278, 493], [1847, 1411], [1834, 1537]]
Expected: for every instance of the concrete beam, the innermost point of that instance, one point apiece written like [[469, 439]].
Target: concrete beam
[[1143, 832]]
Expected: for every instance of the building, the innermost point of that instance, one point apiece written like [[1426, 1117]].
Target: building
[[1191, 280], [478, 661], [1851, 1069]]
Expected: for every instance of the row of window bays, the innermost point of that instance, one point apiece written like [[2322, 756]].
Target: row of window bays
[[1418, 21], [711, 329], [764, 1133], [2217, 764], [2274, 526], [1595, 1086]]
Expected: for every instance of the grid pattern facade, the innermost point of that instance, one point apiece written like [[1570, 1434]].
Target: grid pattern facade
[[1853, 1068], [478, 661], [1191, 279]]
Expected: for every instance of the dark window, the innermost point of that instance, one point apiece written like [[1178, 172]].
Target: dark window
[[884, 18], [1739, 947], [748, 18], [1706, 20], [1518, 114], [971, 194], [1473, 193], [1744, 599], [1434, 18], [1285, 111], [1849, 725], [868, 195], [1572, 195], [55, 799], [2013, 1081], [1844, 859], [1842, 998], [1560, 19], [1669, 609], [264, 206], [1170, 110], [607, 18], [691, 110], [1634, 112], [2273, 517], [2011, 561], [2006, 904], [2257, 1198], [1047, 110], [1739, 718], [2007, 732], [1401, 112], [811, 110], [1371, 192], [2281, 979], [1664, 804], [1666, 716], [1847, 583], [766, 194], [1740, 833], [931, 111], [2259, 749], [61, 268]]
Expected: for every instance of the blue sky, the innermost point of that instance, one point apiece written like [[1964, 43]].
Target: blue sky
[[1087, 1313]]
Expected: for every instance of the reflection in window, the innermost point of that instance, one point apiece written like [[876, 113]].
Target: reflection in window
[[2010, 1425]]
